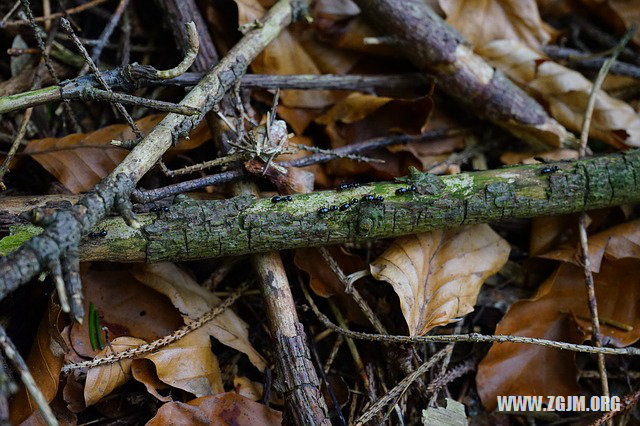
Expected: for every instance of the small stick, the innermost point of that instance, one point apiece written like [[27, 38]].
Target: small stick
[[11, 11], [582, 224], [106, 33], [18, 363], [232, 175], [71, 11], [91, 93], [350, 344], [471, 337], [334, 351], [628, 401], [350, 290], [581, 60], [189, 57], [164, 341]]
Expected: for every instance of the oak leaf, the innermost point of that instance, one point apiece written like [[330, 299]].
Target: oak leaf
[[437, 275]]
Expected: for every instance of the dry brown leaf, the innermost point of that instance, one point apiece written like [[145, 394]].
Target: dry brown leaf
[[189, 364], [143, 370], [225, 409], [617, 242], [619, 15], [80, 160], [247, 388], [519, 369], [359, 117], [102, 380], [45, 364], [566, 92], [125, 306], [437, 275], [483, 21], [193, 300]]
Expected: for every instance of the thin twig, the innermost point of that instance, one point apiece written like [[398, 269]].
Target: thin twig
[[443, 367], [71, 11], [402, 386], [351, 290], [472, 337], [11, 11], [232, 175], [91, 93], [628, 402], [579, 59], [121, 109], [582, 226], [18, 363], [164, 341]]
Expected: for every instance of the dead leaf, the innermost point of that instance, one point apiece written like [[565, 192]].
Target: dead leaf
[[189, 364], [125, 306], [617, 242], [225, 409], [79, 161], [193, 300], [247, 388], [45, 364], [102, 380], [437, 275], [359, 117], [566, 92], [144, 371], [483, 21], [519, 369]]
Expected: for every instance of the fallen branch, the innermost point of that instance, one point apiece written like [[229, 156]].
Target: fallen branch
[[135, 76], [240, 225]]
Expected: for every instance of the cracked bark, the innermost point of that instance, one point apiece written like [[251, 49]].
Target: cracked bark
[[434, 46], [222, 228], [64, 227]]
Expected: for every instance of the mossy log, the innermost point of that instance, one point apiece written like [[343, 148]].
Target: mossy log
[[193, 229]]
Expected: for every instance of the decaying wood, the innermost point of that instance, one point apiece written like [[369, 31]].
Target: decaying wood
[[240, 225]]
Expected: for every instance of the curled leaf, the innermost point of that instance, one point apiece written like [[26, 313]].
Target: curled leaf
[[437, 275], [566, 92]]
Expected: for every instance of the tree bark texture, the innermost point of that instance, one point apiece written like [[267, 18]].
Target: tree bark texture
[[246, 224]]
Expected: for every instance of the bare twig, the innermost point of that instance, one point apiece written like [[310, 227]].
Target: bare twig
[[18, 363], [106, 33], [189, 57], [578, 58], [472, 337], [628, 402], [582, 226], [351, 290], [123, 98], [139, 76], [232, 175], [164, 341]]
